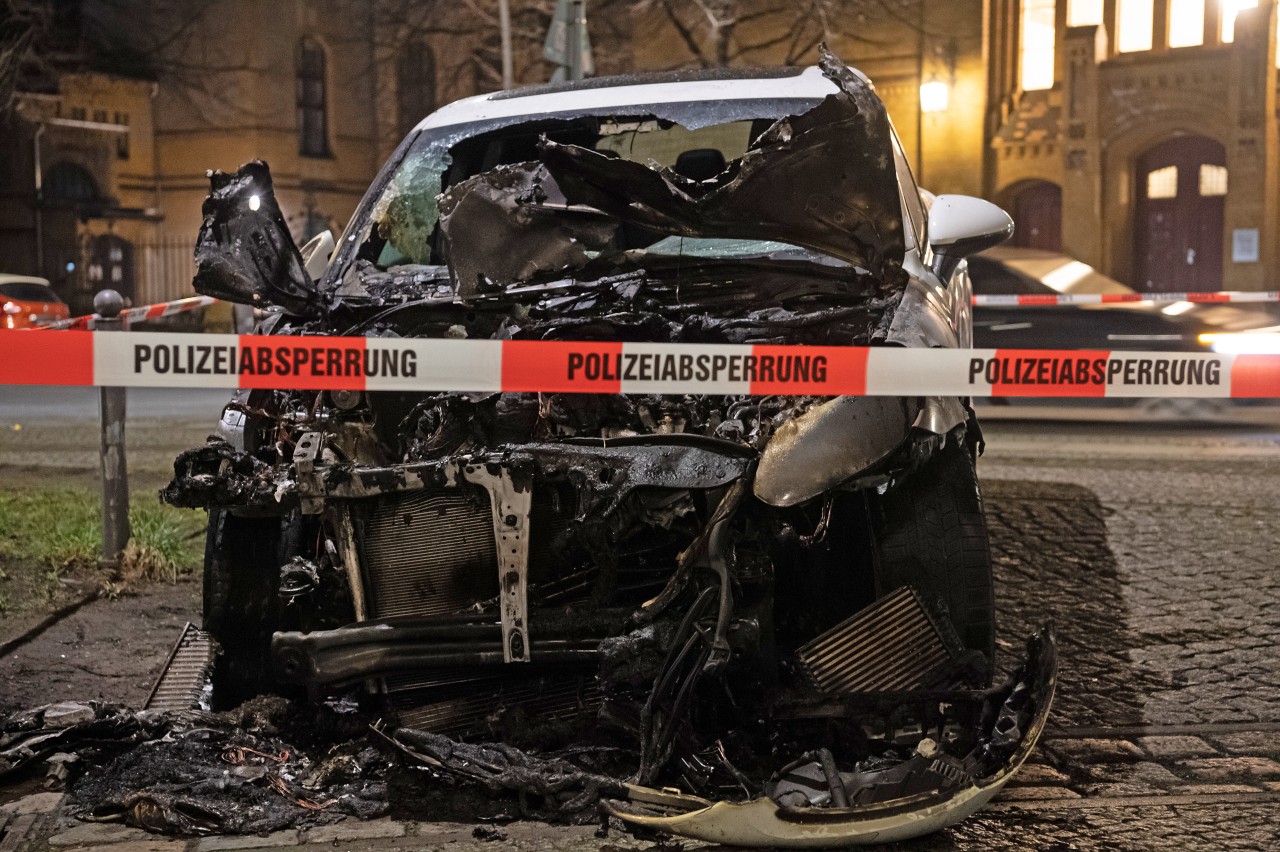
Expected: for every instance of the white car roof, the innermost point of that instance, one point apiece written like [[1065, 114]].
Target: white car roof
[[809, 84], [10, 278]]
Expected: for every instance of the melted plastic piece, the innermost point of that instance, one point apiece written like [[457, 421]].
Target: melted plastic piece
[[245, 252]]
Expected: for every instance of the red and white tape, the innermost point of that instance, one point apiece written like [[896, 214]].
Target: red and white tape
[[1036, 300], [140, 314], [151, 359]]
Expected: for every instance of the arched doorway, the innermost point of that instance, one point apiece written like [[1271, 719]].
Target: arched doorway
[[1036, 208], [1178, 219]]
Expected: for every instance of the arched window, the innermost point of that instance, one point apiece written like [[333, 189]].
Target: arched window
[[1036, 37], [70, 184], [313, 134], [415, 84]]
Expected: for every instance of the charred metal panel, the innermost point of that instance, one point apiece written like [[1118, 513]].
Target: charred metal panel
[[245, 252], [824, 179], [511, 224]]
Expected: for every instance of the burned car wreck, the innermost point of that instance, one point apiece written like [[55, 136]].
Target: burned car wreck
[[774, 613]]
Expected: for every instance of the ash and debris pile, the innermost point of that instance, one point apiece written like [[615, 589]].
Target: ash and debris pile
[[273, 764], [268, 765]]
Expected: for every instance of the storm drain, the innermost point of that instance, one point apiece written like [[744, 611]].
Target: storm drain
[[185, 676], [891, 646]]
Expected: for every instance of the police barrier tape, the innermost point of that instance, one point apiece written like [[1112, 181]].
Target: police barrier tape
[[168, 309], [139, 314], [1049, 299], [157, 359]]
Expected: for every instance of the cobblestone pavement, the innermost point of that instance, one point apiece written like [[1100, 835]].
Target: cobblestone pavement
[[1154, 550]]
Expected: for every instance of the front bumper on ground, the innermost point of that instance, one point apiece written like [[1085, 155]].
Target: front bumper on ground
[[763, 822]]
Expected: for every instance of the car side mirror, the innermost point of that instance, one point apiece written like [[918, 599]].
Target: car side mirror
[[959, 226], [316, 252]]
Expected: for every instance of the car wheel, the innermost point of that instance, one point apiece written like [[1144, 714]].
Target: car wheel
[[931, 534], [241, 600]]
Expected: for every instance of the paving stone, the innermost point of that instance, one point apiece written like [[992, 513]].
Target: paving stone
[[351, 829], [1251, 743], [1210, 789], [1166, 747], [16, 831], [1020, 794], [36, 803], [248, 841], [1128, 779], [1094, 751], [1230, 769], [99, 834], [68, 714], [1037, 775]]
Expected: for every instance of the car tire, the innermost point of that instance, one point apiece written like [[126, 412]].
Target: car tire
[[930, 533], [242, 602]]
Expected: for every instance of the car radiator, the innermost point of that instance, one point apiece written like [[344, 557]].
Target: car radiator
[[429, 552], [894, 645], [432, 552]]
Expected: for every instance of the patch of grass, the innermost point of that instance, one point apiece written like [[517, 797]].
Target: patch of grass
[[58, 531]]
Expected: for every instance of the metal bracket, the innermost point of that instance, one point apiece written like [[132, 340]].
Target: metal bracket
[[310, 483], [511, 504]]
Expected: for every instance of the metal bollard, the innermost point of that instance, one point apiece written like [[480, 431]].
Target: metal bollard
[[115, 475]]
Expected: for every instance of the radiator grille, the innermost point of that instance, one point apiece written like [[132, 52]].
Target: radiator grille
[[891, 646], [429, 553], [185, 676], [474, 706]]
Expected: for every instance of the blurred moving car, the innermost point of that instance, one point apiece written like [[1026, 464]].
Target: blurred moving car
[[1142, 325], [1033, 272], [27, 302]]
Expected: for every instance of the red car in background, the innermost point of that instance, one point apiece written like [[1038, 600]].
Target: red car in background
[[28, 302]]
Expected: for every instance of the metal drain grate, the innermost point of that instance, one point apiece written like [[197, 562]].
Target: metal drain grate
[[891, 646], [186, 673]]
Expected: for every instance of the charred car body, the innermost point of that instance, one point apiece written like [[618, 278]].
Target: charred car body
[[776, 603]]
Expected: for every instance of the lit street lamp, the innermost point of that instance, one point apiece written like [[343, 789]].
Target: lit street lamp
[[934, 96]]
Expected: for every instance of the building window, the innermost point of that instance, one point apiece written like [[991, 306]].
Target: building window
[[313, 136], [415, 84], [69, 184], [78, 114], [1136, 20], [1213, 180], [1231, 8], [1163, 183], [1037, 44], [1186, 23], [122, 139], [1084, 13]]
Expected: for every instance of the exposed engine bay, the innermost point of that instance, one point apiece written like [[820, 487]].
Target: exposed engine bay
[[772, 614]]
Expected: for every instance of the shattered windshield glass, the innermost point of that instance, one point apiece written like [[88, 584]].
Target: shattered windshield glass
[[404, 219]]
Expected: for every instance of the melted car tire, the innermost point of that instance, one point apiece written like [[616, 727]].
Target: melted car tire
[[931, 534], [242, 561]]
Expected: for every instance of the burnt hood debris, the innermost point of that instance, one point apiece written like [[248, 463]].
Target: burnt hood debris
[[825, 180], [245, 252]]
